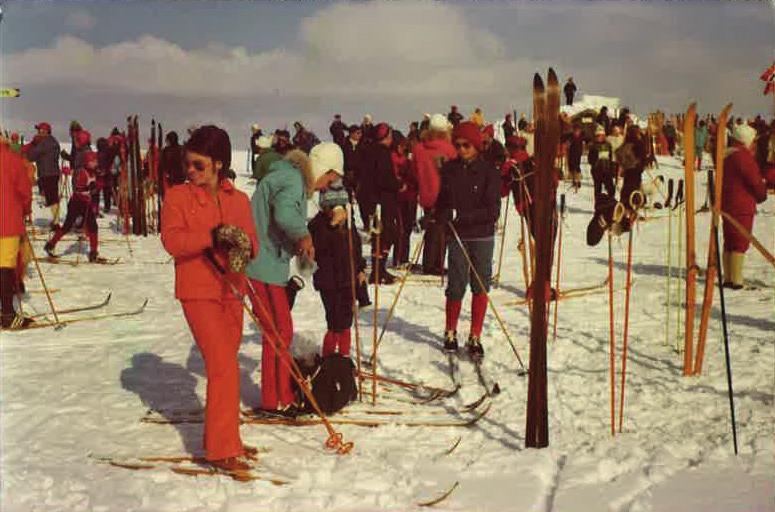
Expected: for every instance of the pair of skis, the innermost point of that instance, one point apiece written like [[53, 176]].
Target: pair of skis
[[546, 113], [67, 321]]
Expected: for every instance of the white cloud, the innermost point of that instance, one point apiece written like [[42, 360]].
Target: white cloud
[[80, 19]]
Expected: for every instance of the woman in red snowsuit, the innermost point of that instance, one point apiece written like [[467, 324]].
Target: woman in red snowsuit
[[744, 186], [191, 215]]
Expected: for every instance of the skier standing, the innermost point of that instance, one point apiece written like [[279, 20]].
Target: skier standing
[[454, 116], [600, 158], [386, 188], [171, 162], [333, 277], [743, 187], [304, 139], [44, 152], [575, 142], [670, 134], [352, 148], [468, 197], [337, 130], [15, 204], [569, 90], [209, 214], [407, 199], [700, 138], [279, 206], [493, 151], [429, 157], [81, 204], [508, 127]]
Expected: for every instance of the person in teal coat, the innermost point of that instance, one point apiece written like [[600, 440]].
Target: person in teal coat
[[279, 207], [700, 137]]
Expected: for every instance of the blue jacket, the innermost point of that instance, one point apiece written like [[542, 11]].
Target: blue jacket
[[279, 207]]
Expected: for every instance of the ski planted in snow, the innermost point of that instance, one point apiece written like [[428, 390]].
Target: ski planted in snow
[[691, 255], [546, 111], [710, 272]]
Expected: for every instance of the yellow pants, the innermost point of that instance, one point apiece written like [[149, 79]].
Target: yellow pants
[[9, 251]]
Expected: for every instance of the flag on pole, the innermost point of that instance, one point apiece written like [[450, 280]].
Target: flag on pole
[[769, 77], [10, 92]]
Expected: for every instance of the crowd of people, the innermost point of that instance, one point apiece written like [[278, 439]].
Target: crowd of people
[[227, 245]]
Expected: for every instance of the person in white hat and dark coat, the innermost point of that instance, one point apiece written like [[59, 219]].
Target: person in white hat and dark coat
[[334, 275]]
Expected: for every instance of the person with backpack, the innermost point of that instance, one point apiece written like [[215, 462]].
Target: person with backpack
[[206, 223], [333, 278]]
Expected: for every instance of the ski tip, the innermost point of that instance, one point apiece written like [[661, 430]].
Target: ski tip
[[496, 389], [552, 77], [538, 83]]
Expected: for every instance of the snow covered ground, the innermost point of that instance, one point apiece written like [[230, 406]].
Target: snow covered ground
[[82, 390]]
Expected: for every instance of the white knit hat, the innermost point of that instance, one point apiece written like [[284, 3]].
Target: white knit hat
[[744, 134], [264, 142], [439, 123], [255, 127], [326, 156]]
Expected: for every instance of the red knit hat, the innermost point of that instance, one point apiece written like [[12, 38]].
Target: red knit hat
[[489, 130], [43, 126], [470, 132], [381, 131]]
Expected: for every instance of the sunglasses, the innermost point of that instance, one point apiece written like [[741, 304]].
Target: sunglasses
[[463, 145], [198, 165]]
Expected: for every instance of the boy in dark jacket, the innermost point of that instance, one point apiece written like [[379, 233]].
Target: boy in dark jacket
[[337, 263], [575, 150], [600, 158]]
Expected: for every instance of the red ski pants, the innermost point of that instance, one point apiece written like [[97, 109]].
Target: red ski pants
[[217, 329], [275, 316]]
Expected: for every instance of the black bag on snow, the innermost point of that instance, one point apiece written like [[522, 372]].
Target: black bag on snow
[[332, 380]]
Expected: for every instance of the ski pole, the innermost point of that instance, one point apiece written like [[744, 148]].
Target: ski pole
[[335, 439], [377, 230], [559, 265], [414, 260], [490, 303], [356, 321], [724, 322], [497, 279], [669, 275], [628, 289], [43, 281], [611, 333], [679, 205]]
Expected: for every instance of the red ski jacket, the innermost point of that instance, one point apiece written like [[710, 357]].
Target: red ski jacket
[[743, 185], [188, 216], [15, 192], [429, 156]]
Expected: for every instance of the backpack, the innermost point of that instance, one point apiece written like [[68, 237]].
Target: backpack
[[332, 380]]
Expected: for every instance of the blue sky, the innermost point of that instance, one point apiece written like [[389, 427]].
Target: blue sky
[[234, 63]]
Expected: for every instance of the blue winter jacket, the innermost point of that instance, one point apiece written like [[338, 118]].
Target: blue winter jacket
[[279, 207]]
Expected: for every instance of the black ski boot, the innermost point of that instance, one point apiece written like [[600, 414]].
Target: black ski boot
[[450, 342], [9, 318], [49, 250], [601, 220], [93, 257], [475, 349]]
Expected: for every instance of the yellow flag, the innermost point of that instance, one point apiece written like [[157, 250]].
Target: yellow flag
[[10, 93]]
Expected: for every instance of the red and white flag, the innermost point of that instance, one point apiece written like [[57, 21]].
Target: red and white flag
[[769, 77]]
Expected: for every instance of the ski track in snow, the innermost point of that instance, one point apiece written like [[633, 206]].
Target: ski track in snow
[[82, 390]]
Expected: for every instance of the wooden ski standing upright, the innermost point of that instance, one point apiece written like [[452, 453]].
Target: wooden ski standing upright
[[691, 255], [546, 105], [710, 272]]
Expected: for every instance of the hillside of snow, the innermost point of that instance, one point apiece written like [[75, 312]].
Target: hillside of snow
[[73, 395]]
